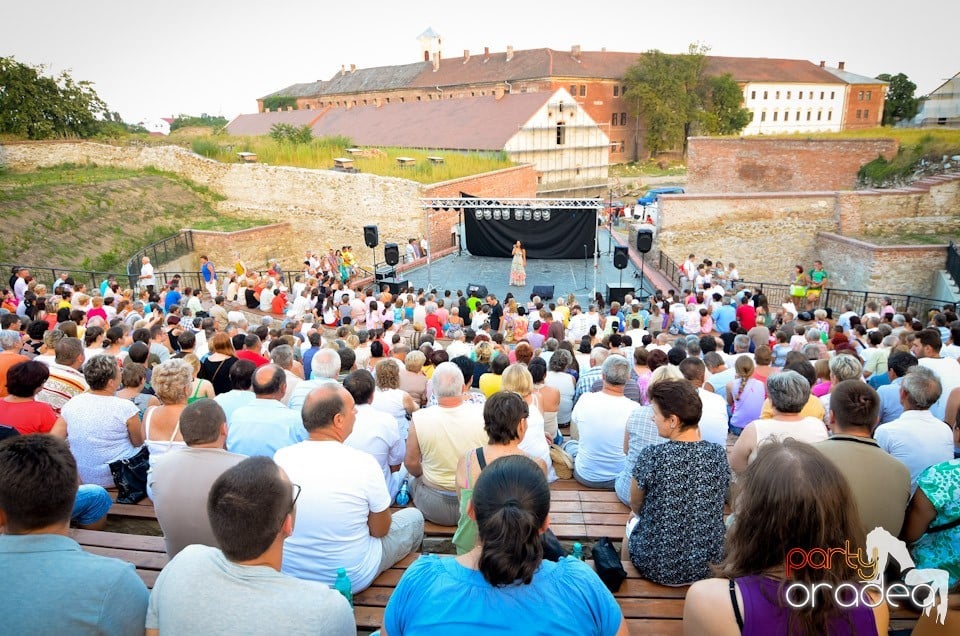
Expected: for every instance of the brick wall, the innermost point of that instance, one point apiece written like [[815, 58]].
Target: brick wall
[[254, 246], [897, 269], [751, 164]]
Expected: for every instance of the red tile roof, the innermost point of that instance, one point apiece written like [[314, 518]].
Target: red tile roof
[[762, 69], [260, 123]]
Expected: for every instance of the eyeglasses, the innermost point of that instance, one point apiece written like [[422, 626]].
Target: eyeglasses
[[296, 495]]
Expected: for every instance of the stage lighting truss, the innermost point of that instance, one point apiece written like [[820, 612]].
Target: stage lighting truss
[[530, 204], [537, 215]]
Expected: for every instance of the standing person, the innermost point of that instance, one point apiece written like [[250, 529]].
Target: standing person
[[818, 282], [518, 271], [209, 273], [50, 584], [798, 288], [147, 280], [504, 583]]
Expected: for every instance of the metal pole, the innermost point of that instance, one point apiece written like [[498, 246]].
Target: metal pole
[[596, 265], [426, 235]]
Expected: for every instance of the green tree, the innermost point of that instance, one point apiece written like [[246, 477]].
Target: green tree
[[900, 103], [279, 102], [39, 106], [184, 121], [290, 133], [676, 99]]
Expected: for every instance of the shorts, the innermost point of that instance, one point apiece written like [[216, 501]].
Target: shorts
[[91, 505], [813, 293]]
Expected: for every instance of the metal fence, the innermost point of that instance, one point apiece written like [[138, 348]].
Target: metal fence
[[163, 251]]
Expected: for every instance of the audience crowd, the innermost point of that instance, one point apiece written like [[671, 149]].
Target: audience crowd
[[275, 428]]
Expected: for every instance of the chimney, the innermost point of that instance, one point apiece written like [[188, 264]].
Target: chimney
[[436, 62], [486, 53], [575, 52], [603, 49], [466, 56], [509, 52], [343, 70], [353, 68], [823, 63], [840, 65]]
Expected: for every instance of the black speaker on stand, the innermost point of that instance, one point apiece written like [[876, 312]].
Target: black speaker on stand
[[371, 236], [644, 245], [621, 258], [391, 253]]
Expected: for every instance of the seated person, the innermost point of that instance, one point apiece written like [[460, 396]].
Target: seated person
[[239, 588], [931, 527], [179, 482], [345, 517], [504, 585], [790, 496], [678, 492], [375, 432], [49, 584]]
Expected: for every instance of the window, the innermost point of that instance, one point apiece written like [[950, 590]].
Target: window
[[830, 115], [819, 115], [623, 91], [799, 94], [777, 95], [623, 119], [808, 115], [622, 146], [763, 116], [798, 115], [866, 113], [858, 113], [613, 119], [753, 94], [788, 94], [860, 96], [764, 94], [419, 98], [775, 113], [583, 90], [833, 93], [573, 90], [869, 94], [822, 93], [810, 95], [402, 100], [561, 134], [616, 91]]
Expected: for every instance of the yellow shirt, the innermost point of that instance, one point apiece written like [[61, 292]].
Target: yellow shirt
[[445, 435], [813, 408]]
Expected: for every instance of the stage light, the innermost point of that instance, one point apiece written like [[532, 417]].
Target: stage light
[[546, 215], [478, 213], [526, 215], [536, 215], [517, 214], [496, 215], [487, 215]]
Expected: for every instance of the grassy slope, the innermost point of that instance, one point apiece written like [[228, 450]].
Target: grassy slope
[[91, 217]]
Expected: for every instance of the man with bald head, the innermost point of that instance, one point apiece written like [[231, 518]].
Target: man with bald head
[[265, 425], [344, 518]]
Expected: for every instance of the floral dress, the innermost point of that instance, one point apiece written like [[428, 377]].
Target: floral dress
[[518, 272], [941, 484]]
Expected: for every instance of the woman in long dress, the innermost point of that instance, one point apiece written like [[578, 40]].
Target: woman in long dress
[[518, 272]]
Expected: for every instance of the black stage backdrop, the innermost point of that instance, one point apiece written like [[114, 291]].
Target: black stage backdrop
[[563, 235]]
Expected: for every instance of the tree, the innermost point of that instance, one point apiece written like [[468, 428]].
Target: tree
[[291, 134], [185, 121], [279, 102], [676, 99], [39, 106], [900, 103]]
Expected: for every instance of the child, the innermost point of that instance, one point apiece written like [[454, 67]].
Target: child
[[781, 349], [798, 340]]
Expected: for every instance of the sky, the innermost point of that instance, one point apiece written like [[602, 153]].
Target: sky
[[152, 59]]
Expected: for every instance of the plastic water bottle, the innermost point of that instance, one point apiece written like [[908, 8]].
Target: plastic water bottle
[[343, 585], [578, 551], [403, 496]]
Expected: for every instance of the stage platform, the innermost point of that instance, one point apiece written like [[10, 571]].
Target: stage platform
[[567, 276]]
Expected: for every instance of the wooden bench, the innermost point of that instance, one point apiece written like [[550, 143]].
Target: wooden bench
[[435, 160], [405, 162], [354, 151], [247, 157], [147, 554], [343, 163]]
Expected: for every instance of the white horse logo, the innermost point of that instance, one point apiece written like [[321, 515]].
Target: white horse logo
[[882, 546]]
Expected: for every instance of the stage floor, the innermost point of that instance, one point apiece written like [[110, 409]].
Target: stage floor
[[567, 276]]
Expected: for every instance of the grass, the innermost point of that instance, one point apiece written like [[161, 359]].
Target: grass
[[320, 153], [649, 168]]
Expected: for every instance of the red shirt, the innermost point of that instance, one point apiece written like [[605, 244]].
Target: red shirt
[[255, 358], [28, 417], [278, 304], [433, 322], [747, 316]]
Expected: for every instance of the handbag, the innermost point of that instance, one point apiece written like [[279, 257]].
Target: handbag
[[562, 462], [798, 290], [130, 476], [606, 560]]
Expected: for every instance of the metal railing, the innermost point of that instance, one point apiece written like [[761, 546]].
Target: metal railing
[[667, 266], [779, 293], [163, 251]]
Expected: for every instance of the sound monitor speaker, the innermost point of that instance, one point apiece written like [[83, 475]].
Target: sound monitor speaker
[[394, 285], [616, 292], [391, 252], [644, 240], [621, 256], [371, 236], [480, 289], [545, 292], [383, 273]]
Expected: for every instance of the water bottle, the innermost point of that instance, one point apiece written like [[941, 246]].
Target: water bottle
[[578, 551], [343, 585], [403, 496]]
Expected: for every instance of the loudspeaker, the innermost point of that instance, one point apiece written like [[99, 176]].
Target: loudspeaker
[[371, 236], [621, 256], [383, 273], [480, 289], [644, 240], [391, 252], [545, 292], [616, 292], [394, 285]]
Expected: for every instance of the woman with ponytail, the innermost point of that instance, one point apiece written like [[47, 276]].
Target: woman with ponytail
[[504, 583], [745, 395]]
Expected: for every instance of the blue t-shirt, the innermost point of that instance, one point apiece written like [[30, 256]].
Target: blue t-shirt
[[172, 298], [437, 595], [51, 586]]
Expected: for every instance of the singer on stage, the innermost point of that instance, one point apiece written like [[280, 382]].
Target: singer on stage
[[518, 272]]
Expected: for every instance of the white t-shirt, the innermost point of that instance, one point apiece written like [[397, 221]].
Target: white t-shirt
[[201, 592], [341, 486], [97, 429], [809, 430], [713, 421], [948, 370], [601, 419], [534, 442], [147, 272], [377, 434]]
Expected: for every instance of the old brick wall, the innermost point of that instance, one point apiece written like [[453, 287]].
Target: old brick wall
[[324, 208], [896, 269], [756, 164]]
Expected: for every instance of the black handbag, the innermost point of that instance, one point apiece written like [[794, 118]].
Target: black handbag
[[130, 476], [606, 560]]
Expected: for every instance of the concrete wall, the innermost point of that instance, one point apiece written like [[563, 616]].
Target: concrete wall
[[751, 164], [323, 208]]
